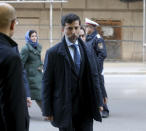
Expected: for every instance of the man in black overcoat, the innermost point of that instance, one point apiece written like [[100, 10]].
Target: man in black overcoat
[[13, 108], [71, 97]]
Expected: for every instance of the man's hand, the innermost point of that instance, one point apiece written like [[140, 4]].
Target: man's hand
[[105, 100], [29, 102], [100, 108], [48, 118]]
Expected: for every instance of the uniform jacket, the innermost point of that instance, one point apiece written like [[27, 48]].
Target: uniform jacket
[[13, 108], [96, 42], [99, 46], [57, 85], [31, 59]]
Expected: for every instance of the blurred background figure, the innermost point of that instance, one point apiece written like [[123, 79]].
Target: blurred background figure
[[31, 59], [95, 41], [82, 33]]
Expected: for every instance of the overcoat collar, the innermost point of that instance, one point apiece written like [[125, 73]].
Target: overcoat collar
[[7, 40], [36, 50], [63, 51], [91, 36]]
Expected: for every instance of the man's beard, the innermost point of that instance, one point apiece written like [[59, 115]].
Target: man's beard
[[73, 38]]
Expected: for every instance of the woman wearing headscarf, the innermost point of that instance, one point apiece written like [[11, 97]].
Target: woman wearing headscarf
[[31, 58]]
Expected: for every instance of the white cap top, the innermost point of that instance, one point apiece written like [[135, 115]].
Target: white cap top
[[90, 22]]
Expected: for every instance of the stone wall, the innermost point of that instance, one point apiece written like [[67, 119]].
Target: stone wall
[[37, 16]]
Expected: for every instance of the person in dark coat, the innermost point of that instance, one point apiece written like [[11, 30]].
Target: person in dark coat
[[31, 59], [71, 97], [25, 80], [13, 107], [95, 41], [26, 85]]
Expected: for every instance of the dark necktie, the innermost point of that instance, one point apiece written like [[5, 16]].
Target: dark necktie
[[77, 58]]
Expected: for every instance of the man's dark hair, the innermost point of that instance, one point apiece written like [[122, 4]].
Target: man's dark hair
[[69, 18], [31, 32]]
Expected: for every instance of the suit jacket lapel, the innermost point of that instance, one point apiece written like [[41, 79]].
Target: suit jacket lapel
[[71, 60], [64, 51], [82, 60]]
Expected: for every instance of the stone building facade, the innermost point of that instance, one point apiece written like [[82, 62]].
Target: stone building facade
[[127, 17]]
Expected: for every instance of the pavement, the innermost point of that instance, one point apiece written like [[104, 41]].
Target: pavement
[[126, 87], [124, 68]]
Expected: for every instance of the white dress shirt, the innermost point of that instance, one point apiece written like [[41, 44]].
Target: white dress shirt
[[71, 50]]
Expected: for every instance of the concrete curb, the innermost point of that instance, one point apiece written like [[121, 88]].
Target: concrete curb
[[124, 73]]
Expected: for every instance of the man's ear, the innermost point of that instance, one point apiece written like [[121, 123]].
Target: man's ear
[[12, 25]]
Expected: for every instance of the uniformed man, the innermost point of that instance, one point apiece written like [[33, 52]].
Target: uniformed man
[[95, 41]]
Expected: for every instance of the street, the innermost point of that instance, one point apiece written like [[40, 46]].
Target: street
[[127, 104]]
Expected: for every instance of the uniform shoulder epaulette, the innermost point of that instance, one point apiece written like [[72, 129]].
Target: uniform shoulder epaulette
[[98, 36]]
